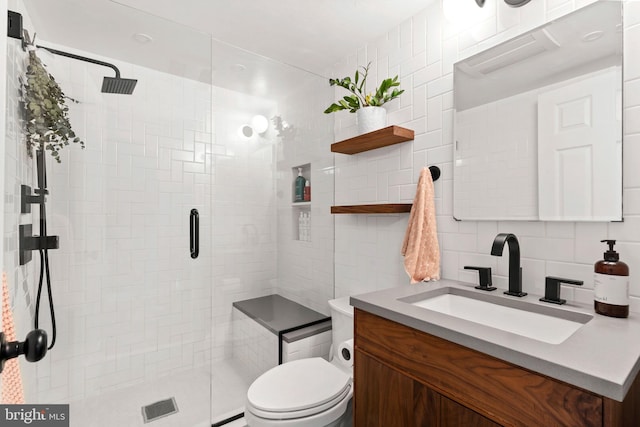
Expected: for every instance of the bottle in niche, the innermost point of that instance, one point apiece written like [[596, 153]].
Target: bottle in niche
[[611, 284], [298, 192], [304, 227], [307, 191], [307, 227]]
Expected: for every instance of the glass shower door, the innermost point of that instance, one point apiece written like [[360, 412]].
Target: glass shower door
[[132, 301]]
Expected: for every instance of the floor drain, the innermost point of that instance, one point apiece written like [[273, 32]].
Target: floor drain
[[160, 409]]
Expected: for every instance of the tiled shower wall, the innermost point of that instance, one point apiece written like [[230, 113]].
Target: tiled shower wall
[[17, 170], [422, 52], [305, 268], [131, 305]]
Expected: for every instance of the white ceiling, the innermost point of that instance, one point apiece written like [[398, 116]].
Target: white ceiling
[[308, 34]]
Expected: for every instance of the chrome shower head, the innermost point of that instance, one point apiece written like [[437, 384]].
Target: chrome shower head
[[118, 85]]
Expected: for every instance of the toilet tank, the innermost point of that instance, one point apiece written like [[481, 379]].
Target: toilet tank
[[341, 321]]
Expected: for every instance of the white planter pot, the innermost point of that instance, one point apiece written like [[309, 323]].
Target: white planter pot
[[370, 119]]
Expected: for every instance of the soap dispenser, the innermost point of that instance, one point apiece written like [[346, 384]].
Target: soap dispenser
[[298, 192], [611, 284]]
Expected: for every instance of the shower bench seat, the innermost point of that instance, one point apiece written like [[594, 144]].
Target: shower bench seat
[[270, 326]]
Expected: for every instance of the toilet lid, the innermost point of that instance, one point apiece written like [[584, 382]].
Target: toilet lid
[[298, 385]]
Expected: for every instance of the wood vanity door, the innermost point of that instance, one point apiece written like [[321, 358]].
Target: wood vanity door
[[453, 414], [385, 397]]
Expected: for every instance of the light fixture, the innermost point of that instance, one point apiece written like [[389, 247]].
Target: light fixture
[[142, 38], [259, 123], [464, 14], [246, 131], [592, 36], [516, 3]]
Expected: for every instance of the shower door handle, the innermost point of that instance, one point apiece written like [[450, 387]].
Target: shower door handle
[[194, 233]]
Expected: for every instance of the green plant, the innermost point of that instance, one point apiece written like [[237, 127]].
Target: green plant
[[47, 119], [360, 98]]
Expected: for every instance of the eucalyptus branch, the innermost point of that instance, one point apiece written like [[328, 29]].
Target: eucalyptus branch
[[47, 119]]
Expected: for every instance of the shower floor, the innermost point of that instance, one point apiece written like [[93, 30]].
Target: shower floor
[[200, 397]]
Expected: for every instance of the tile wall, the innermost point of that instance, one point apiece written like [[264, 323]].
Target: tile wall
[[255, 348], [305, 268], [318, 345], [17, 169], [422, 51]]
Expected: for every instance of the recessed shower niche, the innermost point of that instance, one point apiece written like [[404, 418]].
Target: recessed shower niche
[[301, 202]]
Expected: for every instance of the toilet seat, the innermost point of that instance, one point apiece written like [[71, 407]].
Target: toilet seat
[[301, 388]]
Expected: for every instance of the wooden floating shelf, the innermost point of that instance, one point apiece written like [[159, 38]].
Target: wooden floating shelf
[[372, 140], [387, 208]]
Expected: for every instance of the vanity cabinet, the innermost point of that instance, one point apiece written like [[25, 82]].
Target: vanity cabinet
[[404, 377]]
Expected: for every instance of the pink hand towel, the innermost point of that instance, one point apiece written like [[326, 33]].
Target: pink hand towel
[[420, 247], [12, 392]]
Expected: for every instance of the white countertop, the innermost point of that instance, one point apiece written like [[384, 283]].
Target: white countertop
[[603, 356]]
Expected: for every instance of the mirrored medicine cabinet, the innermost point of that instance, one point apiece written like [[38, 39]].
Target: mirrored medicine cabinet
[[538, 123]]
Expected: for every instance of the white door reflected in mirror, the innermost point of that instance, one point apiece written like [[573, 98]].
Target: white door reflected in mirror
[[579, 145]]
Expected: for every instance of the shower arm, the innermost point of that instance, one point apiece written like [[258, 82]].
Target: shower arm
[[81, 58], [26, 41]]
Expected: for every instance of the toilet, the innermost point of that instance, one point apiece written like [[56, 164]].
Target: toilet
[[308, 392]]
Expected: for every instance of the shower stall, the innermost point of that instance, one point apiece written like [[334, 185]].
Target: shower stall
[[200, 153]]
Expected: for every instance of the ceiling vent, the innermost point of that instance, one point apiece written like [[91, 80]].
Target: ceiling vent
[[509, 53]]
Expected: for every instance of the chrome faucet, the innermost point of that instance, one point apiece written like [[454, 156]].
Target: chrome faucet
[[515, 272]]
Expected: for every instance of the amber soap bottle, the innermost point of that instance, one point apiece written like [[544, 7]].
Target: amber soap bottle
[[611, 284]]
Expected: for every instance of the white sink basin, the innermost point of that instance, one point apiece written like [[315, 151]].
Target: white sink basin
[[546, 324]]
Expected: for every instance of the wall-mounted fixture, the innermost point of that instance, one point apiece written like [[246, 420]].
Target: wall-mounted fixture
[[245, 131], [465, 14], [516, 3], [29, 243], [117, 84], [435, 172], [259, 123], [42, 244], [194, 233], [448, 4], [34, 347]]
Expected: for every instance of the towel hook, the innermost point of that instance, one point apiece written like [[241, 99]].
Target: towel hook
[[435, 172]]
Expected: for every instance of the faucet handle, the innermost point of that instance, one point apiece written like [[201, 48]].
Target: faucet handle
[[485, 277], [552, 289]]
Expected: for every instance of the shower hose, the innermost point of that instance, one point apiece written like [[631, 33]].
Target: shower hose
[[45, 273]]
